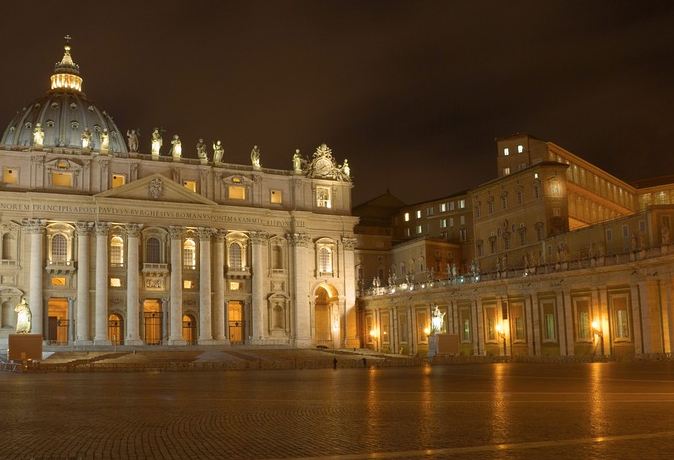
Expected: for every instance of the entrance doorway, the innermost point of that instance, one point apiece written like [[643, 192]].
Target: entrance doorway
[[235, 314], [189, 330], [152, 326], [57, 332], [326, 326], [115, 330]]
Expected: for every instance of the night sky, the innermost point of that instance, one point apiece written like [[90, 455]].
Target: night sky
[[413, 93]]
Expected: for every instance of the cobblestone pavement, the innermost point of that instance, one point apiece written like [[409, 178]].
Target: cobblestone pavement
[[468, 411]]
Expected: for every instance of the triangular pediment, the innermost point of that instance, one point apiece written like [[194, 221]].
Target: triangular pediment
[[155, 188]]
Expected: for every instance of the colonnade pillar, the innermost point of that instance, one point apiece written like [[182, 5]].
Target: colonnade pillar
[[302, 327], [83, 334], [205, 326], [101, 307], [132, 285], [259, 265], [35, 228], [350, 332], [176, 316], [219, 288]]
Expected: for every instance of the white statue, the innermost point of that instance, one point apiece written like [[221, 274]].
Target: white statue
[[157, 142], [218, 152], [297, 161], [24, 317], [437, 321], [177, 147], [133, 140], [38, 135], [346, 170], [201, 150], [255, 157], [105, 140], [86, 138]]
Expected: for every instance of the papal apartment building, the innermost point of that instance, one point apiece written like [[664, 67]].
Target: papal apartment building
[[552, 257], [112, 241]]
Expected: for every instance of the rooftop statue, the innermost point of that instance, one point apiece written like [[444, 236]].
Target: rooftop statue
[[157, 142], [255, 157], [176, 147], [105, 140], [133, 140], [201, 150], [38, 135], [86, 138], [218, 152]]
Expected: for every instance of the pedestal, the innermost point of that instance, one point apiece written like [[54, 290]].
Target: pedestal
[[23, 347]]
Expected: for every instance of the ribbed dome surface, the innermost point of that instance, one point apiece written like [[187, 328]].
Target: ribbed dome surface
[[64, 113]]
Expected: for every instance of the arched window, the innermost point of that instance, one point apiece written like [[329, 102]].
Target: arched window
[[189, 253], [153, 251], [117, 251], [325, 260], [277, 258], [235, 260], [8, 246], [59, 249]]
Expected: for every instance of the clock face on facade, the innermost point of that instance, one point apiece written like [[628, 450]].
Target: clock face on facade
[[323, 166]]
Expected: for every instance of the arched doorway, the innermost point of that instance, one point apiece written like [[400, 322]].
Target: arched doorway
[[57, 326], [189, 330], [115, 329], [235, 313], [326, 316], [152, 326]]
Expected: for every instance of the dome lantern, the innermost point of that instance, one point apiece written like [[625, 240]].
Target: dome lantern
[[66, 73]]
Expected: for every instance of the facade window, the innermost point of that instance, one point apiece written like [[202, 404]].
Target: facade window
[[407, 217], [62, 179], [609, 235], [523, 166], [463, 234], [523, 238], [443, 223], [276, 196], [537, 192], [620, 307], [9, 247], [517, 315], [116, 251], [506, 152], [190, 184], [504, 202], [189, 254], [118, 180], [462, 220], [419, 229], [626, 231], [152, 247], [407, 231], [235, 256], [520, 148], [451, 221], [323, 199], [115, 282], [462, 204], [506, 171], [325, 260], [549, 325], [430, 211], [236, 192], [520, 197], [443, 207], [10, 175], [490, 207], [583, 320], [477, 211], [451, 206], [490, 316], [59, 249], [418, 213]]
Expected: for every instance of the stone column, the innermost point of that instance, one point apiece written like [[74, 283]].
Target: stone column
[[176, 317], [35, 228], [101, 307], [205, 314], [350, 332], [82, 326], [300, 283], [219, 289], [132, 287], [566, 318], [259, 268]]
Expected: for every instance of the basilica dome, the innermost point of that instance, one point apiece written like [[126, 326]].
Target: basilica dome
[[64, 117]]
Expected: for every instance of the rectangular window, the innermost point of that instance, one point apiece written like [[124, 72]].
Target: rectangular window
[[490, 207], [462, 220], [385, 328], [583, 320], [463, 234], [402, 321], [517, 318], [609, 235], [115, 282], [523, 238], [520, 148], [323, 197], [418, 213], [477, 211], [490, 316], [506, 152], [504, 202], [642, 226], [236, 192], [451, 206], [462, 204], [190, 184], [422, 324], [58, 281], [407, 217], [118, 180], [443, 223], [10, 175], [626, 231], [443, 207], [62, 179], [419, 229], [188, 284], [234, 286], [451, 221], [430, 211], [549, 326], [506, 171], [276, 196], [520, 197], [523, 166], [620, 306], [407, 231]]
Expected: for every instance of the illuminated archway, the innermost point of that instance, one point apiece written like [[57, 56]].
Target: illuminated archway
[[327, 323]]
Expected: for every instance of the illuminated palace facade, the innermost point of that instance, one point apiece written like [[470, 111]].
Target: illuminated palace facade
[[554, 257], [112, 246]]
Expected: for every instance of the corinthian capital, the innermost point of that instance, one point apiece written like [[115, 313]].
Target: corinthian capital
[[259, 237], [34, 225], [349, 242]]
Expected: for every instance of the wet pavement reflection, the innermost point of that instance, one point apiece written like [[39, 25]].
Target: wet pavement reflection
[[471, 411]]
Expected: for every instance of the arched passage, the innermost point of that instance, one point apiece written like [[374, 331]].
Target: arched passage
[[327, 323]]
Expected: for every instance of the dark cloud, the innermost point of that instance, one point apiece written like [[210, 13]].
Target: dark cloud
[[413, 93]]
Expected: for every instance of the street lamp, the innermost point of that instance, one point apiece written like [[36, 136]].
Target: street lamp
[[501, 334], [598, 332], [375, 336]]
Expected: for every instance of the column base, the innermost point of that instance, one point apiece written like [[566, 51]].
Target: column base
[[206, 342], [177, 342], [223, 341], [102, 342], [133, 342], [83, 342]]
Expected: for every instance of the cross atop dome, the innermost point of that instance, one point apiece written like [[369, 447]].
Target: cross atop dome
[[66, 73]]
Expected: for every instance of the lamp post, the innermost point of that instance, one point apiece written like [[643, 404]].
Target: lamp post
[[501, 334], [598, 332]]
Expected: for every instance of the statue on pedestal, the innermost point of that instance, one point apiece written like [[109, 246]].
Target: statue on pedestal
[[133, 140], [255, 157], [24, 317], [156, 142], [218, 152], [38, 135]]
